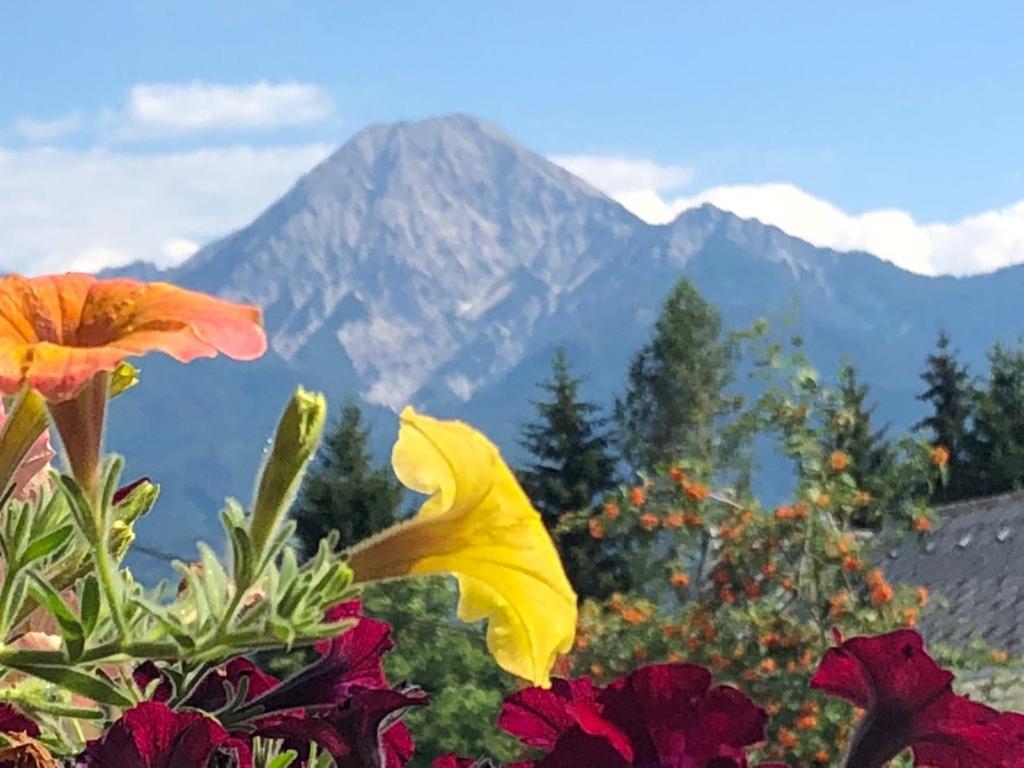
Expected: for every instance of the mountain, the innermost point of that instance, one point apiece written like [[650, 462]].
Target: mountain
[[440, 263]]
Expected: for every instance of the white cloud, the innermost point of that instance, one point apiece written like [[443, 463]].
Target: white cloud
[[35, 129], [63, 209], [168, 109], [975, 244]]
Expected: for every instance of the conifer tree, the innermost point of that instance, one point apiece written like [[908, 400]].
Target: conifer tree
[[572, 463], [997, 440], [570, 446], [850, 430], [343, 490], [675, 385], [952, 397]]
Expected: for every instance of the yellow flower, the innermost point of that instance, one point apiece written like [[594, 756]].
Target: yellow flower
[[479, 525]]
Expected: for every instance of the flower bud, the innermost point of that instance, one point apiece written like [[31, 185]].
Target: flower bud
[[298, 434]]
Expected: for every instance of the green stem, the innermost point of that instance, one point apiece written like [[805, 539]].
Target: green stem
[[108, 576], [5, 601]]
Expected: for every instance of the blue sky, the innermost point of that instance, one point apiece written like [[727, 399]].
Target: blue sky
[[905, 120]]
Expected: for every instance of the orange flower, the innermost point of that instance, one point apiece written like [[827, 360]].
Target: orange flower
[[58, 331], [611, 510], [648, 521], [922, 596], [861, 499], [638, 496], [999, 656], [940, 456], [696, 491], [822, 756], [922, 524], [692, 519], [768, 666], [768, 569], [838, 461], [680, 579], [595, 528], [751, 588], [677, 474], [800, 509], [61, 335], [875, 577], [822, 500], [633, 616], [909, 617], [851, 564]]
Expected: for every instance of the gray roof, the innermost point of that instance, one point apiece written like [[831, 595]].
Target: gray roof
[[974, 562]]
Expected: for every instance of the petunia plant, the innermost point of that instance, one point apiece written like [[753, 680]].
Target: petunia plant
[[118, 674]]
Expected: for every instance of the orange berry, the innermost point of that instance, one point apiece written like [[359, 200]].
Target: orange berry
[[838, 461], [696, 491], [595, 528], [882, 594], [787, 738], [673, 521], [648, 521], [940, 456], [638, 496], [806, 723]]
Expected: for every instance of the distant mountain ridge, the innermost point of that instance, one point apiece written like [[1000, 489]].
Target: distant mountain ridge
[[440, 263]]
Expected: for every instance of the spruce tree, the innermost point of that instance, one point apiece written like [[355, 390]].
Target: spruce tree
[[997, 440], [952, 397], [850, 429], [571, 449], [343, 490], [572, 463], [675, 385]]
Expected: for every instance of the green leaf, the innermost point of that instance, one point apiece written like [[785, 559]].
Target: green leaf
[[93, 687], [71, 628], [283, 760], [47, 545], [90, 604]]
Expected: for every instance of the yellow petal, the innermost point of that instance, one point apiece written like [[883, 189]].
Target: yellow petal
[[479, 525]]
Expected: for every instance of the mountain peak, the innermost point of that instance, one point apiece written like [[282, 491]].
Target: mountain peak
[[413, 222]]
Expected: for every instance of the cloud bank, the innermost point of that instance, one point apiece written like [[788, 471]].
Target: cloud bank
[[975, 244], [83, 210]]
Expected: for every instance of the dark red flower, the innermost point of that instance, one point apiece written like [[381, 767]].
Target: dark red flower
[[12, 721], [660, 716], [350, 660], [212, 692], [909, 702], [364, 732], [153, 736]]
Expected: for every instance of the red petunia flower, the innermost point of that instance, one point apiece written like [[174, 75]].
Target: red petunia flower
[[351, 660], [12, 721], [153, 736], [659, 716], [910, 703]]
